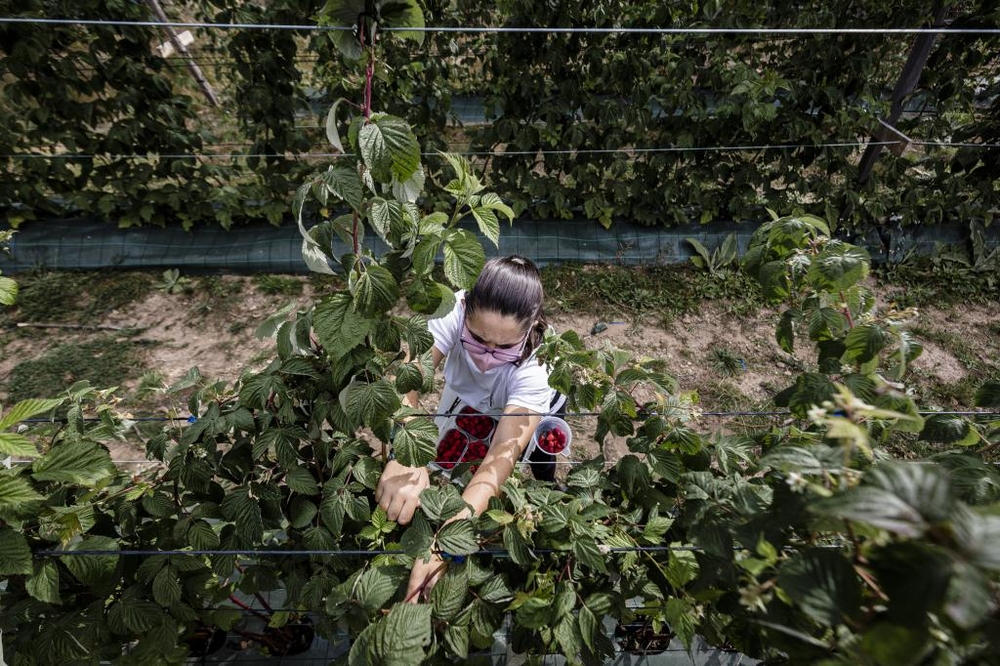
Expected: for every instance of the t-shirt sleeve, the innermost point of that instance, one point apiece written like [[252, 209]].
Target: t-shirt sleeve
[[447, 329], [529, 387]]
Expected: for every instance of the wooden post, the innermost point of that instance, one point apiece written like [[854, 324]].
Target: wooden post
[[206, 87], [908, 80]]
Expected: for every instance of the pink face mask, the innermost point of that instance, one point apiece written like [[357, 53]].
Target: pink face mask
[[489, 358]]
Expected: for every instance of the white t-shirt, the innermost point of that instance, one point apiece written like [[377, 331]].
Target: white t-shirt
[[525, 385]]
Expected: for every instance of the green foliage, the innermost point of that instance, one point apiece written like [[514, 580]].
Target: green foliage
[[800, 542], [135, 118]]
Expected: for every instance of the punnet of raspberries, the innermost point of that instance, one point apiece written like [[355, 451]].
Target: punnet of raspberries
[[552, 440], [475, 424], [455, 447]]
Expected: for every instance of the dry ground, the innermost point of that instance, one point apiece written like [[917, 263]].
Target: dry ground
[[180, 331]]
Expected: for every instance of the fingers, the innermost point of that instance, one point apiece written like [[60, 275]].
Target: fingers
[[423, 577]]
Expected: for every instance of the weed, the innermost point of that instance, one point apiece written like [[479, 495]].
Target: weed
[[151, 381], [104, 362], [723, 396], [278, 285], [726, 362], [173, 282]]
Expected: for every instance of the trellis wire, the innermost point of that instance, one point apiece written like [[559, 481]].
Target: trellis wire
[[507, 153], [508, 29]]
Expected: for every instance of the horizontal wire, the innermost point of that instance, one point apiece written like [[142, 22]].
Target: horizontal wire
[[508, 153], [510, 29], [341, 553]]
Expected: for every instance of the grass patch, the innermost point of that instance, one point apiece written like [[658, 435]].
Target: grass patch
[[278, 285], [925, 281], [631, 292], [104, 362], [70, 297]]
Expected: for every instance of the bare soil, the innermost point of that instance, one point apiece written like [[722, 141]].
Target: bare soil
[[181, 331]]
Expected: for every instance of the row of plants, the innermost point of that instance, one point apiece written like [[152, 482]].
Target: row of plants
[[610, 94], [800, 543]]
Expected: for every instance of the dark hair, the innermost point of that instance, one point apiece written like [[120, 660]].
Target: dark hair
[[512, 286]]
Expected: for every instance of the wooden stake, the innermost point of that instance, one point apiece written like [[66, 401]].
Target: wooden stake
[[196, 72]]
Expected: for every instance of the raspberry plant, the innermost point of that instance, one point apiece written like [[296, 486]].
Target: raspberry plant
[[801, 543]]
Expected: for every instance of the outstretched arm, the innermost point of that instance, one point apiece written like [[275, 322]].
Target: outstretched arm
[[509, 441], [399, 487]]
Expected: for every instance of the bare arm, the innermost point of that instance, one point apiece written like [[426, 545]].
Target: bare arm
[[399, 487], [509, 441]]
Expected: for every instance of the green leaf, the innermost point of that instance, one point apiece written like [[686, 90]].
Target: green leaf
[[988, 395], [682, 617], [96, 571], [785, 332], [415, 442], [465, 184], [301, 480], [401, 638], [949, 429], [344, 183], [495, 590], [378, 584], [585, 549], [463, 258], [44, 583], [874, 506], [243, 509], [838, 266], [518, 549], [449, 593], [375, 291], [418, 537], [534, 613], [16, 494], [137, 615], [456, 638], [166, 587], [15, 555], [8, 291], [26, 409], [338, 326], [440, 503], [811, 388], [865, 341], [389, 148], [201, 536], [822, 582], [372, 402], [457, 538], [17, 446], [83, 463], [888, 643], [681, 568], [332, 133]]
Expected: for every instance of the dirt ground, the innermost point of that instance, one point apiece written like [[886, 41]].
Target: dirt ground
[[180, 332]]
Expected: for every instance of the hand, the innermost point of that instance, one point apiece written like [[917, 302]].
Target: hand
[[423, 577], [398, 490]]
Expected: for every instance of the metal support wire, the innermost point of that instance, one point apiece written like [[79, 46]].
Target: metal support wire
[[500, 154], [337, 553], [509, 29]]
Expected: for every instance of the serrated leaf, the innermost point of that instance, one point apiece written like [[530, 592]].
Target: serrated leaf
[[44, 583], [201, 536], [338, 326], [371, 403], [988, 395], [83, 463], [301, 480], [415, 442], [378, 584], [166, 587], [15, 555], [16, 493], [838, 266], [8, 291], [586, 550], [463, 258], [874, 506], [448, 594], [96, 571], [404, 634], [517, 547], [441, 503], [534, 613], [785, 332], [18, 446], [389, 148], [822, 582], [456, 638], [949, 429], [27, 409], [457, 538], [865, 341], [375, 290], [241, 508]]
